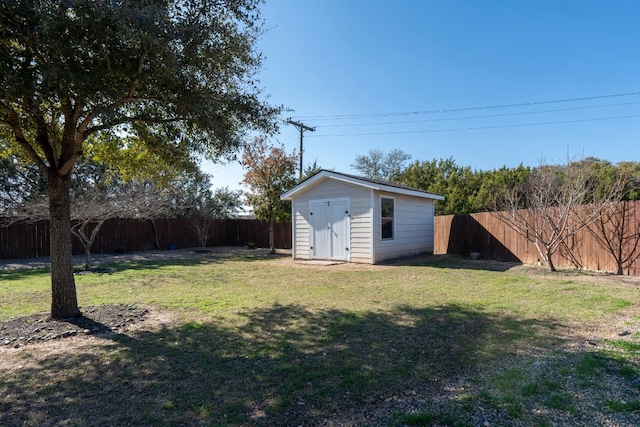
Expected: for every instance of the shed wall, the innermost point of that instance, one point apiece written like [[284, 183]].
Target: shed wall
[[414, 229]]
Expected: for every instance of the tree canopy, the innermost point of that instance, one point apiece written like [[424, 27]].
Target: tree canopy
[[465, 190], [468, 190], [178, 74]]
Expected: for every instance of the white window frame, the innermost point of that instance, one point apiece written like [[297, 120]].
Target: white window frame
[[393, 220]]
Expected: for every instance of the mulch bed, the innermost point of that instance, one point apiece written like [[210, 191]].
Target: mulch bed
[[95, 320]]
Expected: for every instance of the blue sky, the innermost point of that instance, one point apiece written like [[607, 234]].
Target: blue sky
[[374, 74]]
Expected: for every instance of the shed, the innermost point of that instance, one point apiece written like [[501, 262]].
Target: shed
[[341, 217]]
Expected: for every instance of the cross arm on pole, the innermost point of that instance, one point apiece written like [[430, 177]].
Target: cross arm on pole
[[301, 127]]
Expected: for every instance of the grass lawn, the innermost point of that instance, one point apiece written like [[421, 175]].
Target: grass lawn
[[264, 341]]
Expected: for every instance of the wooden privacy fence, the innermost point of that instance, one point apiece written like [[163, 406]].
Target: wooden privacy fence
[[31, 240], [492, 238]]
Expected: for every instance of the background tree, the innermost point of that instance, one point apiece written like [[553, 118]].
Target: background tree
[[631, 172], [130, 159], [177, 75], [311, 170], [226, 203], [465, 190], [270, 172], [377, 164], [196, 202], [492, 184]]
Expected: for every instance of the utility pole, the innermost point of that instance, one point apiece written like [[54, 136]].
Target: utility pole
[[301, 127]]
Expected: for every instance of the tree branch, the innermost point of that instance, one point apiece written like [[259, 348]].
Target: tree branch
[[123, 120], [14, 123], [42, 132]]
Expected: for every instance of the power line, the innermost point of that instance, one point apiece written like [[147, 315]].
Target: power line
[[452, 110], [479, 127], [524, 113]]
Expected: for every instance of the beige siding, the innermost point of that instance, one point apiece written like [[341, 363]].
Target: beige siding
[[302, 234], [413, 228], [361, 227], [359, 209]]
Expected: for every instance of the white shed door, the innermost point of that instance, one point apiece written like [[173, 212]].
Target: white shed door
[[329, 222]]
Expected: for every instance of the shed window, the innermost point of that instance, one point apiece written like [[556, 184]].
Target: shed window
[[388, 209]]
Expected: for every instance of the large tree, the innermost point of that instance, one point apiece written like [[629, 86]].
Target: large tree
[[177, 74], [270, 171]]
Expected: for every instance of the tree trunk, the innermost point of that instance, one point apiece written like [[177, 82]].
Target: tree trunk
[[79, 234], [87, 257], [64, 302], [87, 249], [156, 238], [87, 241], [545, 254], [272, 244], [549, 261]]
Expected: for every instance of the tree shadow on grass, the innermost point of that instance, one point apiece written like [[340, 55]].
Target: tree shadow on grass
[[103, 267], [10, 275], [198, 259], [454, 262], [110, 263], [285, 365]]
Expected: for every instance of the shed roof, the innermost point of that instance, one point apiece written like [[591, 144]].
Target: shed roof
[[360, 181]]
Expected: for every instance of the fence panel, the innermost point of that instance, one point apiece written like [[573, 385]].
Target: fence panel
[[23, 240], [31, 240], [489, 235]]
